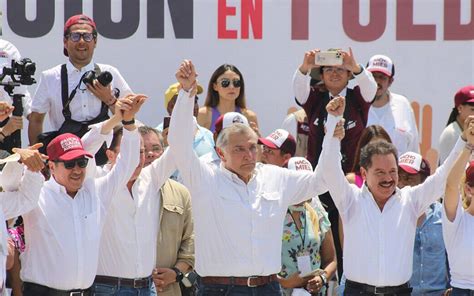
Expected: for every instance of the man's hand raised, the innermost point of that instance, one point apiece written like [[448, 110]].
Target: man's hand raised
[[128, 106], [186, 75], [336, 106], [31, 158]]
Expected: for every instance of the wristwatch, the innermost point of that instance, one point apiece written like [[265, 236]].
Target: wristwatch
[[179, 274], [324, 279]]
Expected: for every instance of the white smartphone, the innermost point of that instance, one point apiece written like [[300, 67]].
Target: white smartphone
[[328, 58]]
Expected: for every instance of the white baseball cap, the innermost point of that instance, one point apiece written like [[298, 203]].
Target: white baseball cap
[[381, 63]]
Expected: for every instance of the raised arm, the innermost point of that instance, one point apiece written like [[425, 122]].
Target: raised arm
[[301, 77], [129, 156], [453, 183], [435, 185], [330, 161], [182, 128]]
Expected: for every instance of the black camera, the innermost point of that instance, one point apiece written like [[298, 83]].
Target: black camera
[[21, 71], [104, 78]]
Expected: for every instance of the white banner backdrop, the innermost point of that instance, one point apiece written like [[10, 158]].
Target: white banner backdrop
[[429, 68]]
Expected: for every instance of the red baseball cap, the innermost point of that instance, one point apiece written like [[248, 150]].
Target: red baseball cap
[[280, 139], [413, 163], [464, 95], [66, 147], [78, 19]]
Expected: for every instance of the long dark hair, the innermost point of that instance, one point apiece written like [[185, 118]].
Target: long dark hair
[[370, 132], [212, 99]]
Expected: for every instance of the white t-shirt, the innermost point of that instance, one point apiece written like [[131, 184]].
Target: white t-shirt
[[397, 118], [447, 139], [459, 240]]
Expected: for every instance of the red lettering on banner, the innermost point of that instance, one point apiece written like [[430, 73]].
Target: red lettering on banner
[[299, 19], [222, 12], [252, 12], [406, 29], [377, 22], [453, 29]]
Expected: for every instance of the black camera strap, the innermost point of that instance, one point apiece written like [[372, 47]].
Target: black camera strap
[[66, 98]]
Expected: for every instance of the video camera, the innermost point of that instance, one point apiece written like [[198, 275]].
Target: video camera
[[21, 72]]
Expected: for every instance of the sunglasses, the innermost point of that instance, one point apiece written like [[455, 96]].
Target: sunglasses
[[226, 83], [76, 36], [70, 164]]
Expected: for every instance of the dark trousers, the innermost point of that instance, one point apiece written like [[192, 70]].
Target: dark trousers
[[333, 215], [270, 289], [462, 292], [32, 289]]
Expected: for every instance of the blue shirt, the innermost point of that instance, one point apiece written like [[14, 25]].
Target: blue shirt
[[430, 273]]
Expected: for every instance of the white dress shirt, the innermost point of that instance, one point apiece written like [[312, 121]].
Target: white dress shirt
[[378, 245], [237, 226], [9, 52], [397, 118], [84, 106], [128, 243], [19, 197], [459, 240], [63, 233]]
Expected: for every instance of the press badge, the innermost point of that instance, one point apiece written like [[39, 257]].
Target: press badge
[[304, 262]]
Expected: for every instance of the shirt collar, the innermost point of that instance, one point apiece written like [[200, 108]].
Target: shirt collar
[[389, 202], [343, 93], [233, 176], [70, 67], [51, 184]]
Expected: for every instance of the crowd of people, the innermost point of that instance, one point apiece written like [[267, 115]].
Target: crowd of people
[[338, 200]]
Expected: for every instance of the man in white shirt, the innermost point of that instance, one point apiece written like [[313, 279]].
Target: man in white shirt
[[379, 219], [89, 101], [63, 232], [128, 244], [390, 110], [238, 207]]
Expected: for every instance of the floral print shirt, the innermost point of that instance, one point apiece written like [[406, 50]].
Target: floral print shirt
[[293, 241]]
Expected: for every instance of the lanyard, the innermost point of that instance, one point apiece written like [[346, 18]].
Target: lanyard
[[296, 225]]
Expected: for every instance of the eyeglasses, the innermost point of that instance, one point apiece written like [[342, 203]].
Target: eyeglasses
[[70, 164], [76, 36], [331, 70], [226, 83]]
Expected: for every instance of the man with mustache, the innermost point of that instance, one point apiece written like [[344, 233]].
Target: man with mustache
[[379, 219], [392, 111], [239, 206]]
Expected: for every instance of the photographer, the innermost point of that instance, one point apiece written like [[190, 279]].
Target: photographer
[[8, 53], [87, 100]]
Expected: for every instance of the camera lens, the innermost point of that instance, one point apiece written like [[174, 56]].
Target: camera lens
[[105, 78]]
